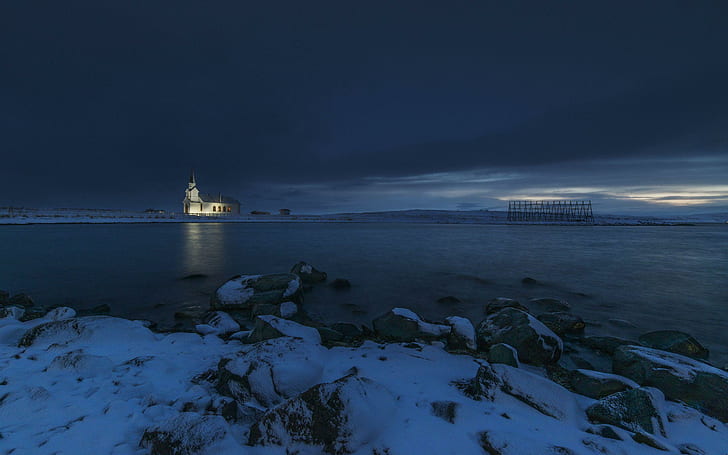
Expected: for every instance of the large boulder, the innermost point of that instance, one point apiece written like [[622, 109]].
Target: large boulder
[[563, 323], [337, 417], [308, 273], [270, 373], [185, 434], [674, 341], [634, 410], [500, 303], [462, 334], [503, 353], [267, 327], [680, 378], [534, 342], [595, 384], [401, 324], [246, 291]]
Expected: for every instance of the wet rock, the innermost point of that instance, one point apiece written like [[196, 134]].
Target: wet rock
[[335, 417], [308, 273], [244, 292], [550, 304], [340, 283], [348, 330], [401, 324], [534, 342], [268, 327], [21, 300], [621, 323], [531, 282], [501, 303], [448, 300], [674, 341], [563, 323], [185, 434], [265, 308], [595, 384], [606, 344], [634, 410], [98, 310], [446, 410], [269, 374], [503, 353], [194, 276], [680, 378], [462, 334], [329, 335]]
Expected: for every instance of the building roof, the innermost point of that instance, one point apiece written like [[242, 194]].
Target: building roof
[[207, 197]]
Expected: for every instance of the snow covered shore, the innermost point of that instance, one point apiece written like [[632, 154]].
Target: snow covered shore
[[98, 384], [79, 216]]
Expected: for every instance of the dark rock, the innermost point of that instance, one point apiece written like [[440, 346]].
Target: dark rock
[[401, 324], [67, 329], [348, 330], [605, 431], [4, 297], [503, 353], [534, 342], [21, 300], [531, 282], [13, 311], [98, 310], [194, 276], [501, 303], [448, 300], [551, 305], [484, 385], [562, 323], [606, 344], [33, 312], [265, 308], [446, 410], [335, 417], [185, 434], [329, 335], [268, 327], [462, 334], [680, 378], [594, 384], [186, 314], [244, 292], [634, 410], [308, 273], [674, 341], [644, 438], [340, 283], [690, 449]]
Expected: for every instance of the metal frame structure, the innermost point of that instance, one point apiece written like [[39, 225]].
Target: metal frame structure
[[563, 211]]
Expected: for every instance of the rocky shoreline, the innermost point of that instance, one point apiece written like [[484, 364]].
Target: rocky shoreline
[[259, 375]]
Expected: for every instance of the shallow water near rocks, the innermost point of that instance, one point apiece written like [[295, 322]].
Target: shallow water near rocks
[[661, 277]]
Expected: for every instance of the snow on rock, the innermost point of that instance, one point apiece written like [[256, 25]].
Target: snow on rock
[[186, 433], [678, 377], [462, 333], [14, 312], [634, 410], [218, 322], [288, 309], [100, 330], [244, 292], [402, 324], [308, 273], [268, 326], [339, 417], [534, 342], [271, 372], [60, 313], [595, 384]]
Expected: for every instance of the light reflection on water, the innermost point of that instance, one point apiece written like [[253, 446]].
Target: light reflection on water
[[656, 277]]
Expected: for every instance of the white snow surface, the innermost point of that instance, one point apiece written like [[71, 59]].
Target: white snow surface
[[97, 388], [292, 288], [237, 290]]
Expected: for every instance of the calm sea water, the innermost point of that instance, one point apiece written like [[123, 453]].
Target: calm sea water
[[654, 277]]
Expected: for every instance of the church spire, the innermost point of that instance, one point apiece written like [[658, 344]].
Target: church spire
[[192, 177]]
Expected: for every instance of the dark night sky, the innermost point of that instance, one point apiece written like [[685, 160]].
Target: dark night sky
[[351, 106]]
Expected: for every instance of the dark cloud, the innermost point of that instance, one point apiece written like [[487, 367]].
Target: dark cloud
[[342, 106]]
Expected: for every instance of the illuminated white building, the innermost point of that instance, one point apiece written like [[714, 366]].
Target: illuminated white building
[[201, 204]]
